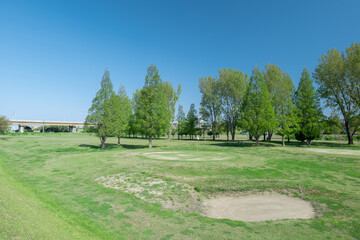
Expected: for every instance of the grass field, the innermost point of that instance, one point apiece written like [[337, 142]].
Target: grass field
[[51, 187]]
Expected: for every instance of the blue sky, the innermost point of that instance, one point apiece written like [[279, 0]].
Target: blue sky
[[53, 53]]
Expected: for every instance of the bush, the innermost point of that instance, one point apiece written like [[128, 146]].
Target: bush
[[330, 138]]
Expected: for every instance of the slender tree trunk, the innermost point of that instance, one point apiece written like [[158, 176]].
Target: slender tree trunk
[[269, 136], [150, 142], [178, 136], [349, 135], [233, 133], [264, 136], [213, 132], [169, 132], [283, 141], [103, 139], [308, 142], [288, 139], [118, 141], [257, 141], [250, 137]]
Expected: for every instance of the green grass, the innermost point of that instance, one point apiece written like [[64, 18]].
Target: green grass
[[48, 188]]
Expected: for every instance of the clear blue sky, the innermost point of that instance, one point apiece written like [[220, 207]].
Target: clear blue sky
[[53, 53]]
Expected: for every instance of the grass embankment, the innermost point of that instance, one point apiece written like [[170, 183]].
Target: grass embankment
[[48, 188]]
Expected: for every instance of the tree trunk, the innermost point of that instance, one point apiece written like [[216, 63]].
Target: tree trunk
[[178, 136], [250, 137], [264, 136], [118, 141], [308, 142], [257, 141], [269, 136], [227, 136], [170, 132], [103, 139], [233, 133], [283, 141], [349, 135], [150, 142], [288, 139]]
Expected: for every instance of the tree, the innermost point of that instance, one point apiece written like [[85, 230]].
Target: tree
[[121, 112], [233, 85], [333, 124], [4, 124], [152, 112], [337, 88], [191, 121], [352, 71], [309, 111], [181, 121], [210, 101], [172, 98], [258, 112], [281, 88], [99, 113]]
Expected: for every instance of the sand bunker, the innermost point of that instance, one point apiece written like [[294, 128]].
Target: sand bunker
[[258, 208], [181, 156], [335, 151]]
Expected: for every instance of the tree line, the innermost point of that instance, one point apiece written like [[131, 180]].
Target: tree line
[[263, 104]]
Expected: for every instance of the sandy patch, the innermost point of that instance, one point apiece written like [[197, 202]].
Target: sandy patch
[[334, 151], [258, 208], [182, 157]]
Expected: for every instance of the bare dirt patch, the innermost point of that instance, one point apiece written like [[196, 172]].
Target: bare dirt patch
[[169, 194], [255, 208], [335, 151]]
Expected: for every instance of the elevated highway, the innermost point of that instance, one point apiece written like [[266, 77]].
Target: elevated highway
[[23, 123]]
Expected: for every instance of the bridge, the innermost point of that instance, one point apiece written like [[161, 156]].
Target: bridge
[[23, 123]]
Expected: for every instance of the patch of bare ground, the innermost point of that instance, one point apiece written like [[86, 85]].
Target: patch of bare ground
[[335, 151], [169, 194]]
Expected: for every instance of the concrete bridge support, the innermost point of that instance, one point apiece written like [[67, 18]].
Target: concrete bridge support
[[72, 129], [21, 128]]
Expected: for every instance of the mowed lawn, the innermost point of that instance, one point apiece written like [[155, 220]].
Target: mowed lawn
[[48, 188]]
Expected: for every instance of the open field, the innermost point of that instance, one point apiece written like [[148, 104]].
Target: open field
[[62, 186]]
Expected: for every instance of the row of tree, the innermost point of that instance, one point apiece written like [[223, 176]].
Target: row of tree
[[265, 103], [268, 103]]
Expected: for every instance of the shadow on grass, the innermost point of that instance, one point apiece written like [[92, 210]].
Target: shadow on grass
[[4, 138], [110, 146]]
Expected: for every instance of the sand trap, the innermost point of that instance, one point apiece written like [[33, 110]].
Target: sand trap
[[335, 151], [258, 208]]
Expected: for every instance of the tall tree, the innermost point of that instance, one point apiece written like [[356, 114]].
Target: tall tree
[[352, 71], [152, 112], [337, 89], [4, 124], [172, 97], [281, 88], [233, 85], [180, 118], [191, 121], [333, 124], [99, 114], [258, 112], [309, 111], [121, 112], [210, 101]]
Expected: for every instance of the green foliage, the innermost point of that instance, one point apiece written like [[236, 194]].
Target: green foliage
[[4, 124], [309, 111], [210, 101], [191, 121], [120, 112], [233, 85], [338, 85], [100, 112], [281, 89], [333, 125], [352, 71], [151, 106], [54, 129], [172, 97], [258, 113], [180, 118]]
